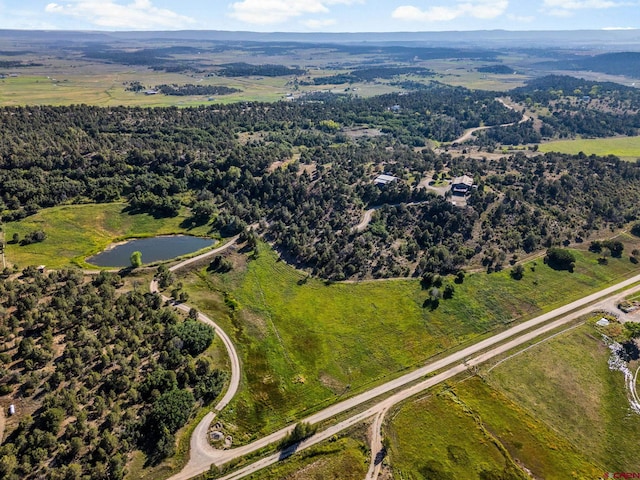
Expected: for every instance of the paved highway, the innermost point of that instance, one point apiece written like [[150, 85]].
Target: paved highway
[[457, 363]]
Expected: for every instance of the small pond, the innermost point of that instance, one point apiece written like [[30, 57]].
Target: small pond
[[153, 250]]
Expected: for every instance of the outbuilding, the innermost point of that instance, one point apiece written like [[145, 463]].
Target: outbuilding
[[385, 179]]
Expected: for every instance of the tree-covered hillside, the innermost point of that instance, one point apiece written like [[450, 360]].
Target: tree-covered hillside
[[301, 171], [102, 372]]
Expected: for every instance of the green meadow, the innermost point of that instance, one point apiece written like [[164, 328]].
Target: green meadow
[[473, 431], [340, 459], [566, 383], [75, 232], [626, 148], [555, 409], [306, 344], [105, 88]]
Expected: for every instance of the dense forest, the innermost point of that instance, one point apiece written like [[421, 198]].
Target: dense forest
[[368, 75], [112, 371], [266, 70], [154, 58], [293, 168], [190, 89], [617, 63], [497, 69], [567, 107], [165, 58]]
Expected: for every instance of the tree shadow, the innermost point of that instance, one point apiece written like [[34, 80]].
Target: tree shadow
[[630, 351], [190, 223], [288, 451], [380, 456]]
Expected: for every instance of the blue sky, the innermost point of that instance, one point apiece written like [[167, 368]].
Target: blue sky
[[320, 15]]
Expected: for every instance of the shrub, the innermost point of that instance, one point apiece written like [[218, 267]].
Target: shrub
[[210, 385], [596, 246], [136, 259], [33, 237], [171, 410], [196, 336], [517, 272], [448, 291], [615, 247], [560, 259], [301, 431]]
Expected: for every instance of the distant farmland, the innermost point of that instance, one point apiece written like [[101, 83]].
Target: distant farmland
[[626, 148]]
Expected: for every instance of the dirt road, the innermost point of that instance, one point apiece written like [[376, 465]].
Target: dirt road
[[377, 452], [200, 450], [567, 313], [469, 133], [205, 255], [1, 424], [368, 214], [234, 383], [366, 219]]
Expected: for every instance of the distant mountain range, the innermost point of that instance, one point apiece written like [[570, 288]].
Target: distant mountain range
[[606, 40], [619, 63]]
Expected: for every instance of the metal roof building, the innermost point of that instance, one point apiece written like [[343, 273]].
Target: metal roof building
[[384, 179]]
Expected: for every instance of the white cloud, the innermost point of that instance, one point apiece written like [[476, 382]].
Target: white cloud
[[566, 8], [315, 24], [263, 12], [580, 4], [558, 12], [137, 15], [481, 9], [521, 18]]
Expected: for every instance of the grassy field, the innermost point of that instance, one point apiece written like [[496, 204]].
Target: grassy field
[[473, 431], [566, 383], [459, 74], [626, 148], [305, 344], [441, 438], [106, 88], [634, 297], [75, 232], [105, 85], [342, 459]]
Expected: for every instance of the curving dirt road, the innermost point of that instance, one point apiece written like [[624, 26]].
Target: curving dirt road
[[200, 450], [469, 133], [368, 214], [205, 255], [366, 219], [567, 313], [234, 383]]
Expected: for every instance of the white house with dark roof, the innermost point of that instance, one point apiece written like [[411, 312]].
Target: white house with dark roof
[[461, 185]]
